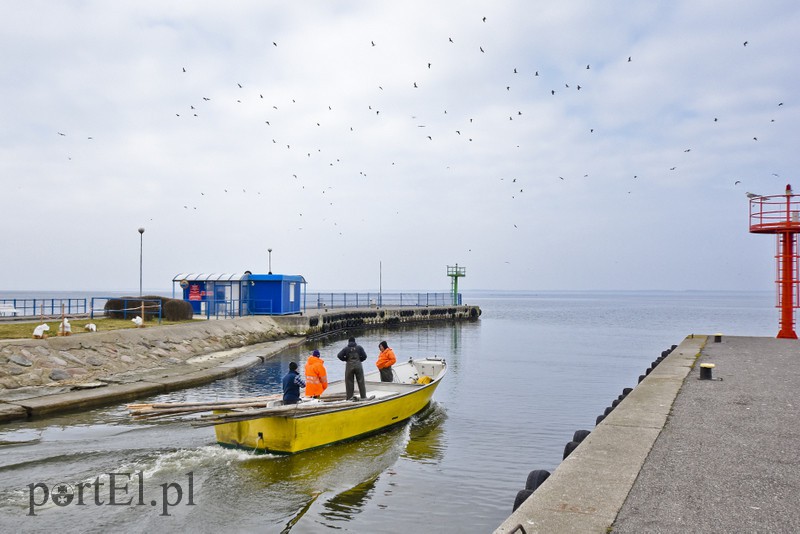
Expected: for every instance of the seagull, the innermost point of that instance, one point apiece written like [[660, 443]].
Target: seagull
[[184, 69], [587, 67], [429, 65], [744, 44], [373, 43], [484, 19], [481, 49], [537, 73], [629, 59], [240, 85], [61, 134], [752, 195], [737, 182]]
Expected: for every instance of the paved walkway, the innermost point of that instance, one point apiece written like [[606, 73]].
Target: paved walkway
[[681, 454], [728, 459]]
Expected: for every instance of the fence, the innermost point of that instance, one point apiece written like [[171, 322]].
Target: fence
[[364, 300], [131, 307], [41, 307]]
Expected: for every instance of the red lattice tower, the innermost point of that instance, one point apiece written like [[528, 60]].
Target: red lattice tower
[[780, 215]]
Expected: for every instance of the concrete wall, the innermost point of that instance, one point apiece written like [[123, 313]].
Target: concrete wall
[[329, 321]]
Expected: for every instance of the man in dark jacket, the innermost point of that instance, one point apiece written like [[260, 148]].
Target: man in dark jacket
[[353, 354], [292, 382]]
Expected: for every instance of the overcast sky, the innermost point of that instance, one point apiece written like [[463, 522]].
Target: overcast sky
[[542, 145]]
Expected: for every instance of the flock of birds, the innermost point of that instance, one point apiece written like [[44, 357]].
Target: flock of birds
[[278, 116]]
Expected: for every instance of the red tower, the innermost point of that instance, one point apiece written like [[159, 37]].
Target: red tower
[[780, 215]]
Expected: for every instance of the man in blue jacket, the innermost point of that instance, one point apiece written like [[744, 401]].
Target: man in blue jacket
[[292, 382]]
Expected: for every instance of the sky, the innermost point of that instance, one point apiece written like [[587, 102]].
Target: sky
[[541, 145]]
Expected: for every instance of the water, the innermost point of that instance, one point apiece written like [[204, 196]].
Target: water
[[535, 368]]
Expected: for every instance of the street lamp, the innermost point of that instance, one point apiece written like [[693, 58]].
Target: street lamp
[[270, 260], [141, 238]]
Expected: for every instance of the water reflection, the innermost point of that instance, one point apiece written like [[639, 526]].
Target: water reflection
[[331, 485], [426, 436]]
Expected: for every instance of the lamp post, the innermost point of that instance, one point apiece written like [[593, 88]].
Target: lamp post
[[270, 260], [141, 239]]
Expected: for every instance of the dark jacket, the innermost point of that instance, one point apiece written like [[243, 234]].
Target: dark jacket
[[292, 383], [352, 353]]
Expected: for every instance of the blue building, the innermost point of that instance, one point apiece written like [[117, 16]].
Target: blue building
[[233, 295]]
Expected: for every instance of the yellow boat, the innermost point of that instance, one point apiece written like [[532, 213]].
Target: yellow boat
[[315, 423]]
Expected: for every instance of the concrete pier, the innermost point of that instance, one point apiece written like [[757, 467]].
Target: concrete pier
[[681, 454]]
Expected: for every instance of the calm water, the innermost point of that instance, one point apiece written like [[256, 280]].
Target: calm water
[[535, 368]]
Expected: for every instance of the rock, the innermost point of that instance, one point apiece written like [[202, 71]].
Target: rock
[[9, 383], [59, 374], [58, 361], [43, 351], [69, 357], [21, 360], [94, 360], [26, 353], [125, 358], [77, 371]]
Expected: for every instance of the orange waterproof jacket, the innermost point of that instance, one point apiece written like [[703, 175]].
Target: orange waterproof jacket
[[316, 377], [386, 358]]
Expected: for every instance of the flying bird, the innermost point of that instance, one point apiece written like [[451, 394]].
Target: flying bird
[[744, 44], [481, 49], [737, 182], [484, 19], [61, 134]]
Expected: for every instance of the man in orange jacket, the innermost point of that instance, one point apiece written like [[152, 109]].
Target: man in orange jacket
[[316, 376], [385, 361]]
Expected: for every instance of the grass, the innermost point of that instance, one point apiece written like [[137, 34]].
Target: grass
[[25, 330]]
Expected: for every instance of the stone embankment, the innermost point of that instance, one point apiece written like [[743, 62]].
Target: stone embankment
[[43, 376], [87, 357]]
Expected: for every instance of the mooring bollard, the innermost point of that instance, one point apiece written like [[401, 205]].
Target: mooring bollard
[[705, 371], [717, 338]]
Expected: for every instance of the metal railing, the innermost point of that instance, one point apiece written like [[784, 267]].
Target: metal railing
[[366, 300], [41, 307]]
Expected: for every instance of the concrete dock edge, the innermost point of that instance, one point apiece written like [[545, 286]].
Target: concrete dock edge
[[587, 490]]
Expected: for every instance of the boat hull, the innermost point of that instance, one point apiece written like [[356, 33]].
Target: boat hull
[[289, 434]]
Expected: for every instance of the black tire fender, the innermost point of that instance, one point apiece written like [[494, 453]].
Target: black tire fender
[[521, 496], [536, 478], [580, 435], [569, 447]]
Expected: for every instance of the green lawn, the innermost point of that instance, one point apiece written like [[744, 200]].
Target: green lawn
[[24, 330]]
